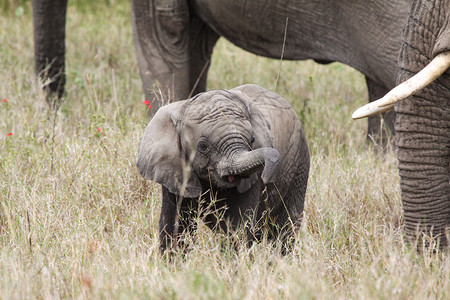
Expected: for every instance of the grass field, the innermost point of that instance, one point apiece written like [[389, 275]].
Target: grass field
[[78, 221]]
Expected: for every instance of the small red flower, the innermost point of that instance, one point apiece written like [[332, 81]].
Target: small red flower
[[9, 133], [149, 106], [99, 130], [146, 102], [4, 100]]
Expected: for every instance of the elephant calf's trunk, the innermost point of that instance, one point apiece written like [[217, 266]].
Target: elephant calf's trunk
[[246, 163]]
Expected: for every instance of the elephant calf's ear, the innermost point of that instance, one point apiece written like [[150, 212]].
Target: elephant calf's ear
[[160, 158]]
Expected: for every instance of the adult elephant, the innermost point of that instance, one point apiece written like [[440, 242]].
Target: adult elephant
[[174, 39], [423, 120]]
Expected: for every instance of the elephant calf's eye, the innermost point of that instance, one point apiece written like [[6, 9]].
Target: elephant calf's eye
[[202, 147]]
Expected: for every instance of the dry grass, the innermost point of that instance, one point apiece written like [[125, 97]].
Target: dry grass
[[78, 221]]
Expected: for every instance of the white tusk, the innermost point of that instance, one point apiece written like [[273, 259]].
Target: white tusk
[[411, 86]]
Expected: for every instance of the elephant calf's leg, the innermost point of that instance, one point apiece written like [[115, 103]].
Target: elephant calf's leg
[[167, 220], [175, 222]]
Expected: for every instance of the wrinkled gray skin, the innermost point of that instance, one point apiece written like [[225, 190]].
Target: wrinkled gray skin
[[174, 39], [236, 143], [423, 125]]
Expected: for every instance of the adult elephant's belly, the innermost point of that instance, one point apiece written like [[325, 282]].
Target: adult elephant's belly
[[263, 27]]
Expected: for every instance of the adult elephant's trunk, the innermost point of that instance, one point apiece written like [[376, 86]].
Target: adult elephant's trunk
[[423, 122], [423, 127], [246, 163]]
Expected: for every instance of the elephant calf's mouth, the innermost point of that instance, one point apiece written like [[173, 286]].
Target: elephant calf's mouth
[[233, 178]]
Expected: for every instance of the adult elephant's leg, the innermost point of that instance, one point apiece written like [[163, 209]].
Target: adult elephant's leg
[[202, 41], [380, 127], [49, 22], [161, 37]]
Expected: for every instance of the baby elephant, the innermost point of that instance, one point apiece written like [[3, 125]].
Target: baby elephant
[[231, 157]]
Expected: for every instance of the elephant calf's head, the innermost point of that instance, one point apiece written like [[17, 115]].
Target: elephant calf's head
[[217, 138]]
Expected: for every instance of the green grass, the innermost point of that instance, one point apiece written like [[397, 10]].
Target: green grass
[[78, 221]]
